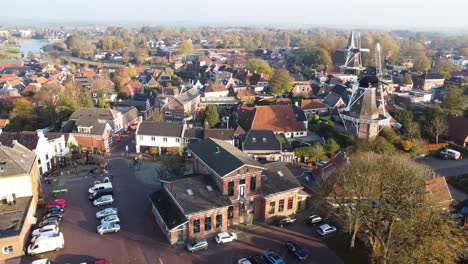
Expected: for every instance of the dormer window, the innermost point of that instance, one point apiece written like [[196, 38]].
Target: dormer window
[[82, 129]]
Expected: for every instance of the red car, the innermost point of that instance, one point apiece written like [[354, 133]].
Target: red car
[[58, 202], [100, 261]]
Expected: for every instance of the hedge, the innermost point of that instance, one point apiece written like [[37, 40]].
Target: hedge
[[457, 147]]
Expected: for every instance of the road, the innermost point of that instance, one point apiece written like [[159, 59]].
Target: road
[[447, 168]]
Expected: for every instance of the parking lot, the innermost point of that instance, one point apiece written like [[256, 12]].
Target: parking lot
[[140, 240]]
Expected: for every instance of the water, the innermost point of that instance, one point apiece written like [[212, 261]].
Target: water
[[33, 45]]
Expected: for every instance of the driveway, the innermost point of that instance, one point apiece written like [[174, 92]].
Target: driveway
[[447, 168]]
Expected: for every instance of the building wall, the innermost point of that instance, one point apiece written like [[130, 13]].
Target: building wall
[[158, 141], [173, 111], [428, 84], [91, 141], [202, 216], [217, 94], [21, 186], [265, 213]]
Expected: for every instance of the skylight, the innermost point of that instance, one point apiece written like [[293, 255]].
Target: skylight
[[280, 173], [210, 189], [189, 192]]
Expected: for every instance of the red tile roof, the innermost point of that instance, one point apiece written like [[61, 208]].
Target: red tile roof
[[437, 190], [88, 73], [216, 87], [4, 122], [31, 87], [278, 118], [244, 93], [312, 104]]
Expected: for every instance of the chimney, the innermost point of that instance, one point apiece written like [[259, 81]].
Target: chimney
[[217, 150]]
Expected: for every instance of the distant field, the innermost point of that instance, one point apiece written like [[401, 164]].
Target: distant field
[[12, 50], [10, 53]]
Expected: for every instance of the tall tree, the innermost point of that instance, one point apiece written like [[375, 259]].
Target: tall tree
[[421, 63], [186, 48], [22, 115], [211, 115], [436, 121], [259, 66], [454, 103], [281, 82]]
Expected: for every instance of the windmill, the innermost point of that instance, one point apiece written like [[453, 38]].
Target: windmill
[[353, 60]]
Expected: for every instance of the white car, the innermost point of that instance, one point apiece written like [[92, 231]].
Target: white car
[[41, 261], [106, 212], [108, 228], [43, 234], [225, 237], [326, 229], [44, 229], [244, 261], [103, 200], [314, 219], [110, 219]]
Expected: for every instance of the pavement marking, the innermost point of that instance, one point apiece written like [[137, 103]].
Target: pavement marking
[[160, 261]]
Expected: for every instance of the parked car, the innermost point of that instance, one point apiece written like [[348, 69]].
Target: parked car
[[100, 261], [314, 219], [272, 258], [46, 244], [286, 221], [100, 186], [110, 219], [296, 250], [46, 228], [106, 212], [48, 221], [103, 200], [52, 217], [197, 245], [56, 214], [225, 237], [101, 192], [108, 228], [54, 208], [41, 261], [326, 229], [43, 234], [58, 202], [244, 261], [450, 154]]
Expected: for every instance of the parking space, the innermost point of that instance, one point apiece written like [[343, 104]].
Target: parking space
[[140, 239], [448, 167]]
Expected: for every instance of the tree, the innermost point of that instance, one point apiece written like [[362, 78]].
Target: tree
[[389, 198], [382, 146], [436, 121], [331, 146], [211, 115], [421, 63], [390, 135], [454, 103], [444, 67], [22, 115], [316, 56], [171, 166], [186, 48], [464, 51], [31, 55], [141, 55], [281, 82], [407, 79], [259, 66], [132, 71]]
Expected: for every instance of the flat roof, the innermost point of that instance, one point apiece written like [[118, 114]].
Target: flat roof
[[12, 216]]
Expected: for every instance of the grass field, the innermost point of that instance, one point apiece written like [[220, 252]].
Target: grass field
[[12, 50]]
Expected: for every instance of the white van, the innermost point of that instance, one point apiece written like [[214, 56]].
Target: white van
[[100, 186], [450, 154], [43, 235], [46, 243]]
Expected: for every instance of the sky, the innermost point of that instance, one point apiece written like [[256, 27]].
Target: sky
[[391, 14]]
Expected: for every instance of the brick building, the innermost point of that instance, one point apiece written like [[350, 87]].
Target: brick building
[[228, 188]]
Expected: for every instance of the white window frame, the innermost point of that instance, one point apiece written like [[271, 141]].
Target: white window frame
[[172, 107], [7, 250], [153, 138], [165, 139], [167, 113]]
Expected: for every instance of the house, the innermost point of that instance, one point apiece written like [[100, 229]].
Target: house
[[312, 107], [289, 120], [182, 107], [60, 144], [216, 90], [224, 134], [94, 128], [227, 188], [457, 130], [427, 81], [36, 142], [4, 123], [160, 135], [301, 86], [20, 188], [264, 145], [333, 101], [132, 88]]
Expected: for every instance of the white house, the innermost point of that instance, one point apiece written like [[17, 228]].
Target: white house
[[60, 145], [216, 90], [36, 142], [159, 135]]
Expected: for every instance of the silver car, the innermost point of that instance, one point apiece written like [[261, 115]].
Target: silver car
[[197, 245], [106, 212], [103, 200], [110, 219], [108, 228]]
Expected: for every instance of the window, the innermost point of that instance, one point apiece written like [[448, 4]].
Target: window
[[242, 181], [253, 183], [272, 207], [219, 221], [141, 137], [153, 138], [177, 116], [47, 156], [208, 224], [247, 170], [281, 205], [171, 107], [230, 188], [7, 250], [290, 203], [2, 168], [39, 161], [40, 170], [196, 226], [177, 140], [84, 129], [230, 212], [165, 139], [168, 113], [238, 172]]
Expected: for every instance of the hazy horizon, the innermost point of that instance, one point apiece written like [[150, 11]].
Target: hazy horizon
[[400, 14]]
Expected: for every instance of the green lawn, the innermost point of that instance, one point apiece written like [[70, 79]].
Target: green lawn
[[339, 243], [12, 50]]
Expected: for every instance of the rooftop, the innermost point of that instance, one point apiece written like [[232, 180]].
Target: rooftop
[[12, 216], [160, 129], [167, 209], [278, 178], [16, 160]]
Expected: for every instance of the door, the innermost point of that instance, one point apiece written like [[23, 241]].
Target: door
[[180, 235]]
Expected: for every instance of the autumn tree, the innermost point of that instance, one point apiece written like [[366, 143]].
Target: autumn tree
[[170, 167], [391, 210], [331, 146], [421, 63], [407, 79], [436, 121], [259, 66], [186, 48], [211, 115], [281, 82], [444, 67], [22, 115], [454, 103]]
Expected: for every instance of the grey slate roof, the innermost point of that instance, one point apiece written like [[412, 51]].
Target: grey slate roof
[[12, 216], [194, 133], [187, 96], [261, 140], [221, 156], [28, 139], [222, 134], [201, 198], [273, 182], [160, 129], [16, 160], [167, 209], [94, 113], [331, 99]]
